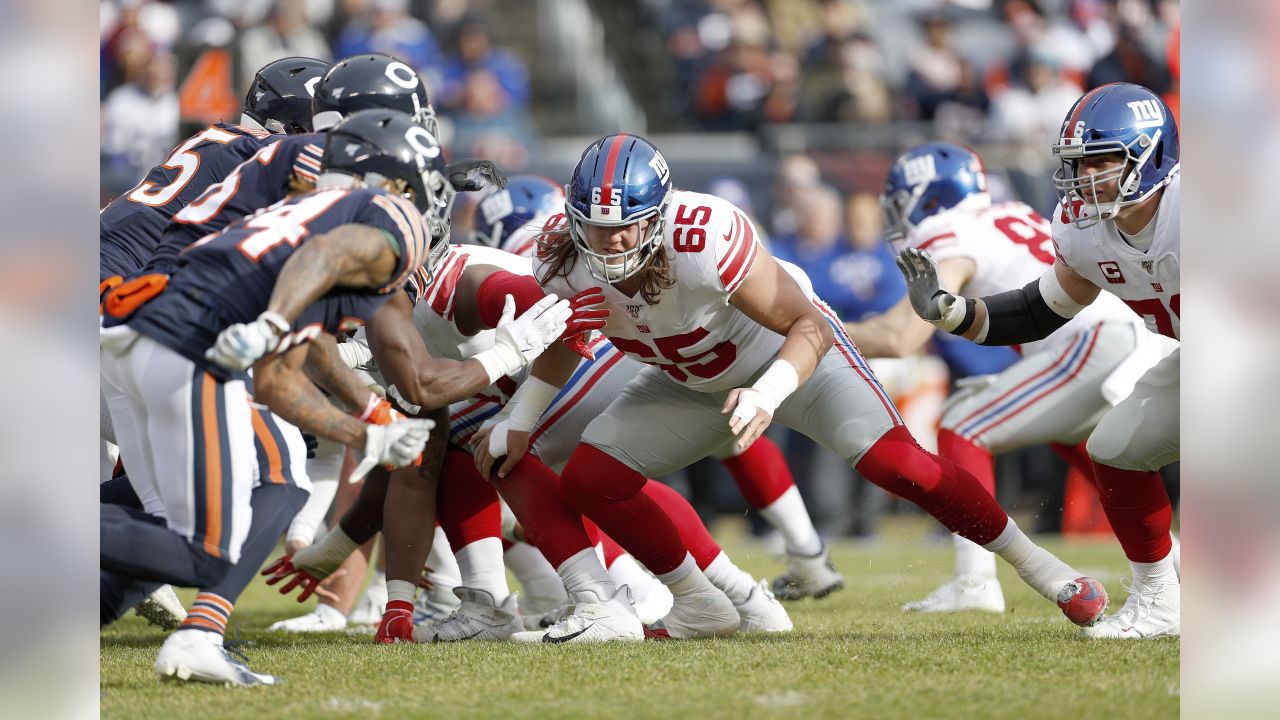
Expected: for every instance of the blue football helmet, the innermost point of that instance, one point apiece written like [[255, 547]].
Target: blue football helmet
[[619, 180], [1120, 118], [927, 180], [527, 199]]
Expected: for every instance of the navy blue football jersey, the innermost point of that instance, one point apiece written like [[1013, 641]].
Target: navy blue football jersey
[[228, 278], [256, 183], [132, 225]]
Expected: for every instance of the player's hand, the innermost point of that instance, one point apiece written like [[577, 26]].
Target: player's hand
[[424, 580], [395, 445], [501, 442], [580, 344], [309, 580], [928, 299], [377, 411], [747, 418], [469, 175], [588, 313], [312, 442], [396, 625], [241, 345], [537, 328]]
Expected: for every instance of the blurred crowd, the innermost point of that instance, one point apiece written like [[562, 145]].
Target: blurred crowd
[[1007, 69], [480, 89]]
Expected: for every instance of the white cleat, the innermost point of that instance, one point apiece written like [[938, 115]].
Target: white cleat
[[372, 604], [325, 618], [966, 592], [652, 598], [162, 608], [761, 612], [195, 655], [592, 620], [813, 577], [1151, 611], [541, 612], [477, 618], [705, 613], [434, 605]]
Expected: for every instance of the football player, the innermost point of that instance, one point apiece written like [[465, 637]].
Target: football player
[[175, 351], [935, 198], [1116, 230], [732, 338]]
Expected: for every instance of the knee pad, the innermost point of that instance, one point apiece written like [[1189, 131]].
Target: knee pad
[[1118, 441]]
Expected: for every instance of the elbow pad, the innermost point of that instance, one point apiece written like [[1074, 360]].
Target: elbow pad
[[1019, 316]]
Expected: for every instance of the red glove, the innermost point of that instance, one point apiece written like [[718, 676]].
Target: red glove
[[589, 313], [283, 568], [580, 344], [397, 624]]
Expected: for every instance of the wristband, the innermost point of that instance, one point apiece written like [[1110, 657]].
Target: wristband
[[500, 360], [276, 321], [779, 381], [970, 312], [370, 407], [529, 402]]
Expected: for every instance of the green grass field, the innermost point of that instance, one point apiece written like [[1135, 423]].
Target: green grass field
[[852, 655]]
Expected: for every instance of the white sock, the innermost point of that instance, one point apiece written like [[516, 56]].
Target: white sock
[[686, 579], [536, 576], [331, 615], [790, 517], [1038, 567], [1160, 572], [213, 638], [584, 574], [972, 560], [626, 571], [599, 548], [482, 569], [444, 566], [400, 590], [1176, 555], [731, 580]]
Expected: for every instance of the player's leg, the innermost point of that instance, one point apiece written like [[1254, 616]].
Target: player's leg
[[541, 590], [651, 598], [1133, 440], [843, 407], [762, 475], [653, 427], [756, 605]]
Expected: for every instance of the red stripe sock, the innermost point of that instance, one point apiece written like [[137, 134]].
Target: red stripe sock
[[1138, 509], [947, 492], [468, 504], [970, 457], [761, 473], [610, 493], [697, 539], [533, 492]]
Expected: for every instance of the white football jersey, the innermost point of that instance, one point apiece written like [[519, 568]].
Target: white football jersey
[[1010, 246], [433, 312], [692, 332], [523, 241], [1145, 281]]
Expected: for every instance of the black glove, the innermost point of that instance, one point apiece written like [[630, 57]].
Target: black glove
[[312, 444], [469, 175]]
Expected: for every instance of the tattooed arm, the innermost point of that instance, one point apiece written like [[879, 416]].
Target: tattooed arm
[[325, 368], [280, 384], [354, 256]]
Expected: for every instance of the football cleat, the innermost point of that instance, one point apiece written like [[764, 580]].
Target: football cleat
[[761, 612], [652, 599], [808, 576], [477, 618], [434, 605], [325, 618], [372, 604], [966, 592], [592, 620], [1083, 601], [199, 656], [396, 625], [1151, 611], [699, 614], [162, 608], [537, 610]]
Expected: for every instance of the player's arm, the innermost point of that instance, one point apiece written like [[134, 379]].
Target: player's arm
[[326, 368], [771, 297], [352, 256], [898, 331], [280, 383], [1024, 315]]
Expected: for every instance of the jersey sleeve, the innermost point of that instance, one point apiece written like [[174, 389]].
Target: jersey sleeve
[[306, 164], [1063, 234], [940, 238], [405, 228], [734, 247]]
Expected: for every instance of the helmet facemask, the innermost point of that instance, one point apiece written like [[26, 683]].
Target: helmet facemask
[[1127, 177], [633, 260]]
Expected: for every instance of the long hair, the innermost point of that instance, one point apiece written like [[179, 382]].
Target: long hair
[[558, 254]]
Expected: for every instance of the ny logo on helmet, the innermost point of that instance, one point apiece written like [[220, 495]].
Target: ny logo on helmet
[[659, 165], [919, 170], [1147, 113]]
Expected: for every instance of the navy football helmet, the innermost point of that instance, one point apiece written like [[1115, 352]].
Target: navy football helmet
[[1130, 121], [280, 97], [527, 199], [371, 81], [619, 180], [382, 145], [928, 179]]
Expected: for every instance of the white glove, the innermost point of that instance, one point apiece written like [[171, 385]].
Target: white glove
[[397, 444], [243, 344], [519, 341], [941, 308]]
